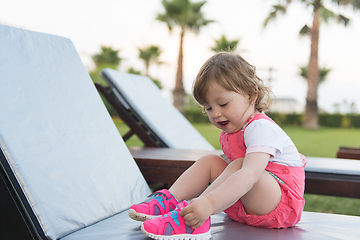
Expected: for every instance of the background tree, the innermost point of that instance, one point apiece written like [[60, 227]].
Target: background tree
[[187, 16], [150, 55], [107, 56], [319, 11], [133, 71], [223, 44]]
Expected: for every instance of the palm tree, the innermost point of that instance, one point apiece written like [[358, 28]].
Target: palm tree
[[187, 16], [223, 44], [150, 55], [319, 11], [107, 56]]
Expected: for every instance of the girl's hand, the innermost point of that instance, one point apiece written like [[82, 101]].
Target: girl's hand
[[197, 212]]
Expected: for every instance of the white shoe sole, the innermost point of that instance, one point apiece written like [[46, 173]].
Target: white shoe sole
[[203, 236]]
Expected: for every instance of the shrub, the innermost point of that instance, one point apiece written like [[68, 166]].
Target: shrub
[[330, 120], [283, 119]]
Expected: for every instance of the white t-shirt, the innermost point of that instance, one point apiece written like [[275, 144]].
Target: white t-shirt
[[265, 136]]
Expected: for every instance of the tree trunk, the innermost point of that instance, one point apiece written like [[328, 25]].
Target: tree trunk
[[179, 92], [311, 110], [147, 70]]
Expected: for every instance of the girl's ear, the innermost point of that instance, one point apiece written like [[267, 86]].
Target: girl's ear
[[253, 97]]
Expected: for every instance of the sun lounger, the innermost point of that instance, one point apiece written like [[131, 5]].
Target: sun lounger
[[324, 176], [332, 176], [348, 153], [139, 96], [60, 150], [65, 170]]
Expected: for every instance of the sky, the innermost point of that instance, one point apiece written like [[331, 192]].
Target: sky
[[126, 25]]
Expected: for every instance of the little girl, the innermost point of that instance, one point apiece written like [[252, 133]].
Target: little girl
[[263, 185]]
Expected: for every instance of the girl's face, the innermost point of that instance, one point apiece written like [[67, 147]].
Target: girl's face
[[227, 110]]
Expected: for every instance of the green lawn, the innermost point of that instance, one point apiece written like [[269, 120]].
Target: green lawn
[[322, 143], [325, 142]]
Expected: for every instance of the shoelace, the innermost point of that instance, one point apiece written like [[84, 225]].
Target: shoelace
[[174, 215], [158, 197]]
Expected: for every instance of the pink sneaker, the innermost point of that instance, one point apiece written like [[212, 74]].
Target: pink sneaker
[[172, 226], [158, 204]]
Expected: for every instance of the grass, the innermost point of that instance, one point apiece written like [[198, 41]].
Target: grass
[[325, 142], [322, 143]]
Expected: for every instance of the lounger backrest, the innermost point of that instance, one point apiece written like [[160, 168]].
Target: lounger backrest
[[140, 95], [59, 146]]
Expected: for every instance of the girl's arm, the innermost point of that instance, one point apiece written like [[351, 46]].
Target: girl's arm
[[236, 180]]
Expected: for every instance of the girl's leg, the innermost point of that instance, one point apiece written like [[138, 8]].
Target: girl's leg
[[264, 197], [228, 171], [197, 178], [261, 199]]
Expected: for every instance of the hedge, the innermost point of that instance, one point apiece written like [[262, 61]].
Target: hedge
[[334, 120]]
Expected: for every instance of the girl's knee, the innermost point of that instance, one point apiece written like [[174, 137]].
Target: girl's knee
[[236, 164], [212, 160], [213, 163]]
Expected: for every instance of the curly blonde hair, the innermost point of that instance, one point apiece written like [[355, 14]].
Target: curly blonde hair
[[234, 73]]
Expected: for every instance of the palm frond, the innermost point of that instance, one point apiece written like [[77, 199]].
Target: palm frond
[[305, 30], [183, 13], [107, 56], [323, 72], [342, 19], [223, 44], [274, 13], [150, 54], [165, 18], [326, 14], [354, 3], [196, 7]]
